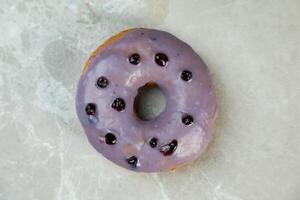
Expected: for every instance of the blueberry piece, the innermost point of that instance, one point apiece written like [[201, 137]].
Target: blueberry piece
[[90, 109], [102, 82], [132, 161], [110, 139], [118, 104], [169, 149], [186, 75], [134, 59], [153, 142], [187, 120], [161, 59]]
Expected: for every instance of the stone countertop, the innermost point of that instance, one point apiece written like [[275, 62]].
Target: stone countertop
[[252, 49]]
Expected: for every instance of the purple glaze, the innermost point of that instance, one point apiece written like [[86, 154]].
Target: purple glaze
[[195, 97]]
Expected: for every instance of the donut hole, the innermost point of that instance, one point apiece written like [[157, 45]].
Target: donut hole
[[150, 102]]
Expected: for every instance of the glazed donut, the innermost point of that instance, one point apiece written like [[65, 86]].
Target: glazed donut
[[109, 85]]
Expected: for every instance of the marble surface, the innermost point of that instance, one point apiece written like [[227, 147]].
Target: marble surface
[[252, 49]]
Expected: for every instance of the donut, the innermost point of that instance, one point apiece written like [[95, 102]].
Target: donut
[[109, 87]]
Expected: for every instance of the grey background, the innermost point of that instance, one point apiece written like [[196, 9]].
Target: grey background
[[252, 49]]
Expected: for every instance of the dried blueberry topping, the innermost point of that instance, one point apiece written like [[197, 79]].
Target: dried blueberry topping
[[110, 139], [118, 104], [153, 142], [186, 75], [134, 59], [102, 82], [90, 109], [132, 161], [161, 59], [187, 120], [169, 148]]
